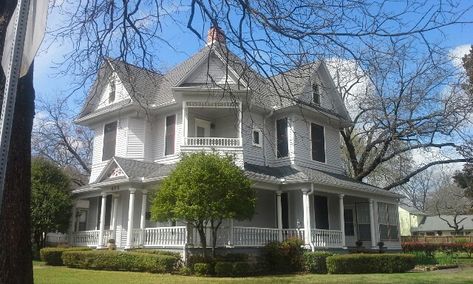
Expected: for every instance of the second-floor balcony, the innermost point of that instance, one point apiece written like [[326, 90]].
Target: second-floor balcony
[[216, 126]]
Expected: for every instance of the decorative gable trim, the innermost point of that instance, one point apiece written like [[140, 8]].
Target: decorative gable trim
[[111, 170]]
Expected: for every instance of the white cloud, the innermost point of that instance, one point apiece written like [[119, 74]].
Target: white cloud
[[457, 54]]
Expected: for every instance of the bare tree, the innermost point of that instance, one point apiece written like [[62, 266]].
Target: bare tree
[[450, 203], [57, 138], [410, 101]]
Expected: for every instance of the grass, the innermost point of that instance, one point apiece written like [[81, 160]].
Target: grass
[[53, 275]]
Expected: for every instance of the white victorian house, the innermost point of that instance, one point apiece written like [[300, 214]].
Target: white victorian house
[[283, 132]]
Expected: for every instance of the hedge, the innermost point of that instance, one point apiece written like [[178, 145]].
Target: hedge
[[158, 252], [242, 268], [316, 262], [202, 268], [120, 261], [430, 248], [53, 255], [284, 257], [370, 263]]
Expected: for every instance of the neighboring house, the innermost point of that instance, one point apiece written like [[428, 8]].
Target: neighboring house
[[289, 148], [439, 225], [409, 219]]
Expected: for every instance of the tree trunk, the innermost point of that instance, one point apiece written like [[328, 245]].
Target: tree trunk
[[15, 235], [203, 240]]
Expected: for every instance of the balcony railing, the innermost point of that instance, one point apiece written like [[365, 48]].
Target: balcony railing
[[212, 142]]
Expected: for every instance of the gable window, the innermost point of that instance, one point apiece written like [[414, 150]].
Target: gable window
[[281, 137], [318, 142], [170, 135], [109, 140], [315, 94], [321, 212], [257, 137], [112, 91]]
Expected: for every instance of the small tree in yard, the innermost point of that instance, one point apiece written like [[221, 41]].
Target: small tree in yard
[[51, 201], [204, 189]]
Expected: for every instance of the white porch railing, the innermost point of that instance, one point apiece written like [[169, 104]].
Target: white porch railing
[[327, 238], [237, 236], [86, 238], [165, 236], [212, 142]]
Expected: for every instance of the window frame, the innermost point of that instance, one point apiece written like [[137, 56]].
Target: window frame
[[287, 137], [385, 220], [166, 134], [311, 143], [260, 135], [113, 89], [316, 94], [104, 142]]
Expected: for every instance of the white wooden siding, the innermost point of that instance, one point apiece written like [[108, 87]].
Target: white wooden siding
[[253, 154], [209, 72], [136, 139], [303, 146]]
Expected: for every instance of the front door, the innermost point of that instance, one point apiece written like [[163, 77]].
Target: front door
[[202, 128], [350, 226]]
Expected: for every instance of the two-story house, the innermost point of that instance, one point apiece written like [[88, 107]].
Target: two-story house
[[284, 133]]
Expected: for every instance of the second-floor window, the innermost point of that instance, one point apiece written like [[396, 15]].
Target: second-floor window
[[111, 93], [257, 137], [281, 137], [318, 142], [170, 135], [315, 94], [109, 140]]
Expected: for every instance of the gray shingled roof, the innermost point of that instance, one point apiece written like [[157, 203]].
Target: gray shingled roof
[[292, 174], [435, 223], [150, 88]]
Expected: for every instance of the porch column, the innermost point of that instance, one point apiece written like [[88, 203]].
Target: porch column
[[240, 110], [113, 225], [185, 118], [279, 212], [372, 224], [72, 226], [230, 234], [306, 208], [103, 208], [131, 209], [342, 218], [143, 216]]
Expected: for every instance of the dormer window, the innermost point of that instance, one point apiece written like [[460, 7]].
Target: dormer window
[[111, 93], [257, 136], [315, 94]]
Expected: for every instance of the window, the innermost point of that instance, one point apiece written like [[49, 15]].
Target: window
[[315, 94], [170, 135], [363, 221], [257, 137], [388, 221], [111, 94], [349, 225], [109, 140], [318, 142], [281, 138], [321, 212]]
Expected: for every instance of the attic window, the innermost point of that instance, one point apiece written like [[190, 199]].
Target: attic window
[[315, 94], [111, 94]]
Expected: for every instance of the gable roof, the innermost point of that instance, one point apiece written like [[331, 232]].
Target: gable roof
[[412, 210], [153, 89], [435, 223]]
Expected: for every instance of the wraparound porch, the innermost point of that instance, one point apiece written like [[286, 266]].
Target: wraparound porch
[[182, 236]]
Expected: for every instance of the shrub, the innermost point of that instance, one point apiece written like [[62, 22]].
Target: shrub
[[241, 268], [116, 260], [53, 256], [423, 258], [316, 262], [223, 268], [233, 257], [202, 268], [158, 252], [370, 263], [284, 257], [428, 248]]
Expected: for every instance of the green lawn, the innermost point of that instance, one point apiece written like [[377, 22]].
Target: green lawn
[[52, 275]]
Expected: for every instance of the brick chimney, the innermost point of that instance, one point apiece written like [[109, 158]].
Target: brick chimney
[[215, 35]]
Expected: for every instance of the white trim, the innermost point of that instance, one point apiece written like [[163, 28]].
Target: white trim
[[325, 143], [165, 134], [260, 135]]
